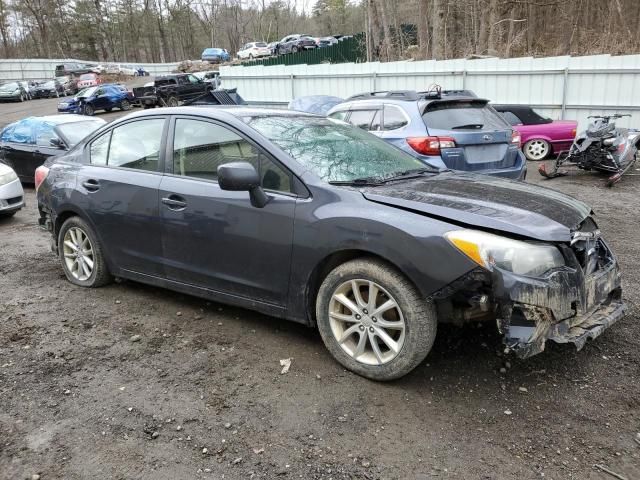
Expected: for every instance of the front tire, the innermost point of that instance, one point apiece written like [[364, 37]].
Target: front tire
[[81, 254], [373, 320], [88, 110], [536, 149], [172, 102], [125, 105]]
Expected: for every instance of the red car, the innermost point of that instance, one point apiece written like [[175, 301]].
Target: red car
[[88, 80], [540, 135]]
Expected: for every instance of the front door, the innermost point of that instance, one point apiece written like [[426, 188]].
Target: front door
[[216, 239], [120, 188]]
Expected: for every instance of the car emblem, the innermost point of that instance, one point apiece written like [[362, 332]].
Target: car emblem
[[487, 138]]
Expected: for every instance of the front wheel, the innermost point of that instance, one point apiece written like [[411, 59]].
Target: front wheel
[[172, 102], [125, 105], [81, 254], [88, 110], [536, 149], [373, 320]]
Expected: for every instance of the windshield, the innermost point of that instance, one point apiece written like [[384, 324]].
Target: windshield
[[333, 150], [87, 92], [75, 131], [465, 115], [261, 44], [87, 76], [9, 87]]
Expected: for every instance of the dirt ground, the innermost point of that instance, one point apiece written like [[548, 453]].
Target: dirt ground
[[130, 381]]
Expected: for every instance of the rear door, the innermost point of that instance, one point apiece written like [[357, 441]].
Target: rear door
[[17, 145], [119, 184], [215, 239], [481, 135]]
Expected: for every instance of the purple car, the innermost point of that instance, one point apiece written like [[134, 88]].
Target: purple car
[[541, 136]]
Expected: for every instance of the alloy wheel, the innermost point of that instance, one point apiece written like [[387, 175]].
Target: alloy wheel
[[536, 149], [78, 253], [367, 322]]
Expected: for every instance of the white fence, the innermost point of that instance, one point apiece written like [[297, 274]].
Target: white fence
[[41, 69], [560, 87]]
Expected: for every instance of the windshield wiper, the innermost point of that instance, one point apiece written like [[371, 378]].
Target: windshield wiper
[[413, 173], [368, 181], [476, 126]]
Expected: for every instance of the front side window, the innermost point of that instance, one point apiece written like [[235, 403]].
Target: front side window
[[200, 147], [193, 79], [334, 150], [341, 115], [133, 145]]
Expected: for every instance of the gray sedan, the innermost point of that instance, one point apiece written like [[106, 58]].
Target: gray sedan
[[319, 222]]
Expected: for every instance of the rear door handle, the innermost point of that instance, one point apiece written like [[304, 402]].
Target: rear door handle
[[175, 202], [91, 185]]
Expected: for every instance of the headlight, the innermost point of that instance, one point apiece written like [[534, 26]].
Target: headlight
[[609, 141], [8, 177], [489, 251]]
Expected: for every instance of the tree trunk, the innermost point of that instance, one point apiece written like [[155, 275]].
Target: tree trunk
[[437, 22]]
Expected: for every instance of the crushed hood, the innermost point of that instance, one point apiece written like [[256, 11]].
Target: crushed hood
[[488, 203]]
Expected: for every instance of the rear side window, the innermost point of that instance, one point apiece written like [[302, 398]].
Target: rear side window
[[362, 118], [465, 115], [339, 115], [511, 118], [394, 118], [133, 145]]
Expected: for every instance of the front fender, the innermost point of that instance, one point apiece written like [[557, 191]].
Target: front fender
[[328, 223]]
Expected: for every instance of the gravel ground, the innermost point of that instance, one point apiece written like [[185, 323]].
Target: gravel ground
[[130, 381]]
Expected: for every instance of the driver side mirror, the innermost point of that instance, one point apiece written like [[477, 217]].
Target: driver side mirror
[[57, 143], [239, 177]]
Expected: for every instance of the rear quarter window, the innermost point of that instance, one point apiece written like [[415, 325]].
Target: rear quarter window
[[466, 115]]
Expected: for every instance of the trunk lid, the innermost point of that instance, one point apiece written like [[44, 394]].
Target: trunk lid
[[481, 135], [489, 203]]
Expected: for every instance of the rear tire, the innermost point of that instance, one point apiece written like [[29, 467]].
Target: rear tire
[[536, 149], [81, 254], [392, 346]]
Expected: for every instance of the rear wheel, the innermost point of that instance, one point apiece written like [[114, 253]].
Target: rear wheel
[[373, 320], [536, 149], [81, 254], [294, 50]]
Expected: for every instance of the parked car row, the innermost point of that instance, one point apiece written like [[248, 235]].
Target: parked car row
[[23, 90], [75, 69]]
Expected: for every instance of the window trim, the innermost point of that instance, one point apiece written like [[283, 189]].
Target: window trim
[[296, 183], [161, 150]]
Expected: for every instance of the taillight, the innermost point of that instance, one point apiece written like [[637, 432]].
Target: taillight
[[516, 139], [41, 174], [430, 145], [573, 132]]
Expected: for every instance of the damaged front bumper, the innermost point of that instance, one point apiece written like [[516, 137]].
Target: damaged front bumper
[[566, 306]]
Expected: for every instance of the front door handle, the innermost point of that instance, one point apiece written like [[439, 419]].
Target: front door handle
[[175, 202], [91, 185]]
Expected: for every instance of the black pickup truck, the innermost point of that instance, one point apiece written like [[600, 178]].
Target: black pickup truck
[[171, 90]]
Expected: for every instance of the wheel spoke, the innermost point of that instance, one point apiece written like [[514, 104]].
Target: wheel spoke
[[362, 343], [89, 262], [346, 302], [343, 317], [357, 295], [375, 347], [382, 323], [373, 295], [388, 305], [348, 332], [389, 342], [70, 245], [69, 255], [85, 268], [74, 238]]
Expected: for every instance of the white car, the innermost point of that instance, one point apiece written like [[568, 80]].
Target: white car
[[11, 193], [254, 50], [121, 69]]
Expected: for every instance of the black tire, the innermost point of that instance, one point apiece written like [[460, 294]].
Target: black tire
[[100, 273], [172, 101], [536, 149], [8, 214], [88, 110], [294, 50], [125, 105], [420, 318]]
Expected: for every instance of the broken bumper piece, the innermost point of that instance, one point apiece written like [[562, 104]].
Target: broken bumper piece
[[565, 307]]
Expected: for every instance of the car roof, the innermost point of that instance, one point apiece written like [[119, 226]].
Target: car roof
[[425, 98], [213, 111]]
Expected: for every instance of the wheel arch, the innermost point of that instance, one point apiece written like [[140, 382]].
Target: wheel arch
[[331, 261]]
